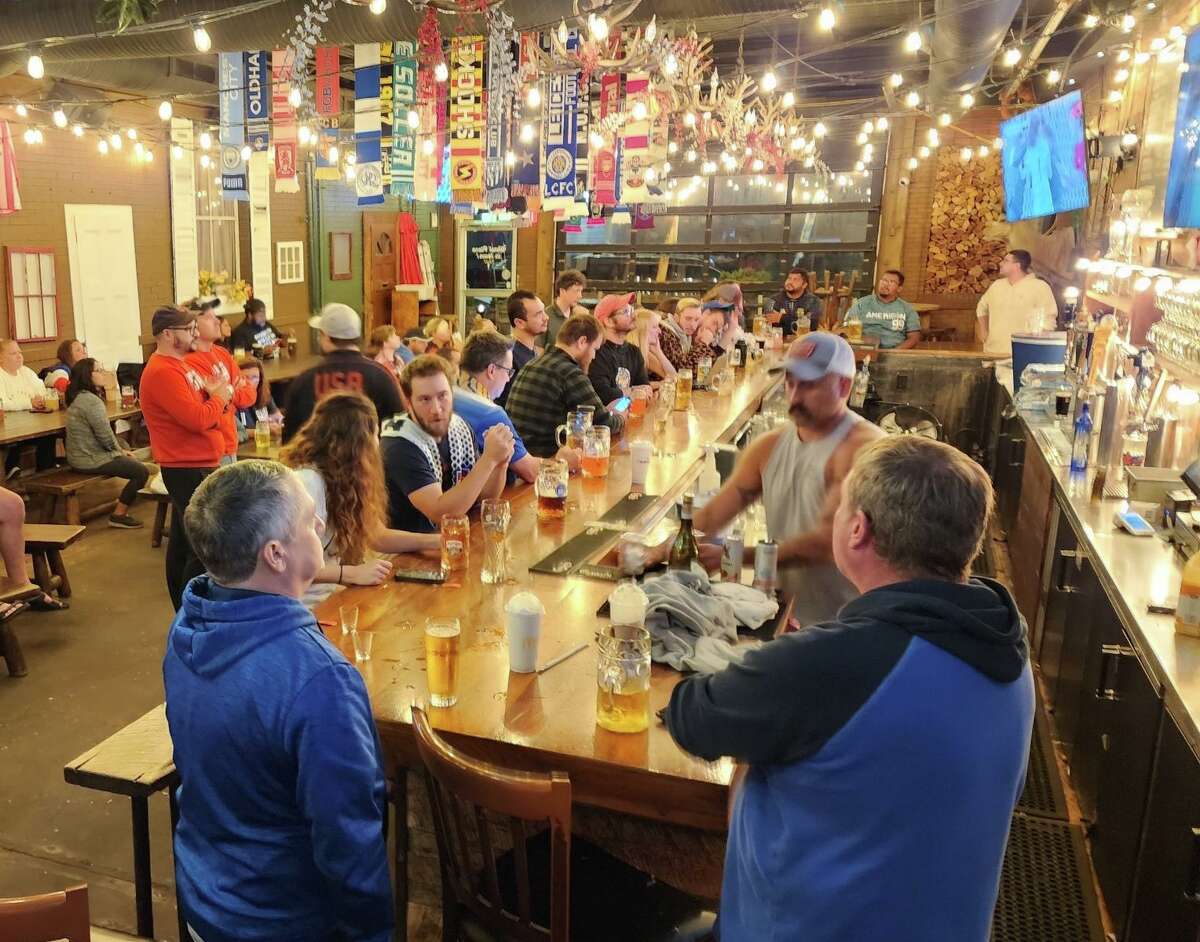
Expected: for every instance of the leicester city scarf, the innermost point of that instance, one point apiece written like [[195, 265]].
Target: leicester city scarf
[[386, 105], [235, 184], [283, 120], [368, 182], [404, 100], [328, 110], [466, 119], [257, 66], [560, 126]]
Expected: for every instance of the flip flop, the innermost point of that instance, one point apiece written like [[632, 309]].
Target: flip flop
[[48, 603], [14, 609]]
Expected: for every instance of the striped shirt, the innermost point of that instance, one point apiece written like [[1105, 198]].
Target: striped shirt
[[542, 395]]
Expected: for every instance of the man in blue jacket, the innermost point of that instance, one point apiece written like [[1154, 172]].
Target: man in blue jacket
[[281, 805], [882, 753]]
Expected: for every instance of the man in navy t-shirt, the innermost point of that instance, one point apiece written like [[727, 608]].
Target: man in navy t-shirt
[[431, 463]]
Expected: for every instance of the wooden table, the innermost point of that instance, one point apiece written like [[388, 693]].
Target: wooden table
[[283, 368], [544, 722], [24, 426]]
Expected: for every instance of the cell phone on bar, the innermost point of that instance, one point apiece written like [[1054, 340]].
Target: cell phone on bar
[[429, 576], [622, 404]]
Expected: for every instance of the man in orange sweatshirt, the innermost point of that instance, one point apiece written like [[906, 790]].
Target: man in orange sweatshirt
[[182, 409], [210, 359]]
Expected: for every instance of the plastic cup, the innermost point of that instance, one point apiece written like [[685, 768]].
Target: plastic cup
[[362, 644], [524, 611], [639, 461], [348, 614]]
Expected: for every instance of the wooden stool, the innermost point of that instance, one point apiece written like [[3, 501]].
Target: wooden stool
[[62, 485], [163, 502], [136, 761], [10, 645], [44, 542]]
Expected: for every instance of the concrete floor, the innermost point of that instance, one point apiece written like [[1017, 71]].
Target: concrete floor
[[92, 669]]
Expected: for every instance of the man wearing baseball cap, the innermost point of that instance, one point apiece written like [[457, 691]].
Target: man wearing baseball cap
[[182, 409], [343, 366], [798, 472], [618, 367]]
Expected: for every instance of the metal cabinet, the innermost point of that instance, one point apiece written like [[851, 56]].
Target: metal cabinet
[[1063, 605], [1166, 901], [1082, 604], [1008, 465], [1113, 752]]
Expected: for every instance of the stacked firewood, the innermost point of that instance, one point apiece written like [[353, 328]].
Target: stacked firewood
[[967, 197]]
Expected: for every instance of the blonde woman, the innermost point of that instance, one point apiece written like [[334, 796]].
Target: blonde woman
[[646, 334], [442, 339]]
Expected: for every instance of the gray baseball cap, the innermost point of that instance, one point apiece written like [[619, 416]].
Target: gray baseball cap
[[819, 354], [338, 321]]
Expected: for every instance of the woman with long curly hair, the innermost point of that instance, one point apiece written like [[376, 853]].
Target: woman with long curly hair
[[336, 455]]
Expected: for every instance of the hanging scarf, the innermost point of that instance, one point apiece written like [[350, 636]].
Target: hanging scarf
[[560, 126], [368, 181], [328, 111], [462, 444], [386, 113], [605, 175], [232, 82], [257, 65], [635, 153], [10, 193], [502, 81], [283, 118], [466, 119], [428, 145], [527, 172], [404, 100]]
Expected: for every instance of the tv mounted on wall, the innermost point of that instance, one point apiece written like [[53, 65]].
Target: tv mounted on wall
[[1045, 160]]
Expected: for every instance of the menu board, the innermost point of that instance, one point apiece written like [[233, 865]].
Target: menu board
[[490, 260]]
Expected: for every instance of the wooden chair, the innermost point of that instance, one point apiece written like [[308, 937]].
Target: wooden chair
[[162, 508], [44, 542], [13, 590], [514, 894], [47, 917], [62, 487]]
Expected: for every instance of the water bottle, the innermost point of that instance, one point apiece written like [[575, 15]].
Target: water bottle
[[1083, 438]]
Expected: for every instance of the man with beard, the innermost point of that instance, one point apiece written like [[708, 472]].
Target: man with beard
[[618, 367], [798, 474], [430, 461]]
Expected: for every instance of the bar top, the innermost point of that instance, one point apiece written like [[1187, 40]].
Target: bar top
[[1135, 572], [547, 721]]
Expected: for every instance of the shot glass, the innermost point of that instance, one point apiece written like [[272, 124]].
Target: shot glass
[[362, 644], [348, 615]]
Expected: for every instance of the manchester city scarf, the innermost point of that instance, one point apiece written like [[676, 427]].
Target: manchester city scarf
[[368, 181], [283, 120], [386, 105], [328, 111], [257, 66], [404, 100], [466, 119], [560, 125], [234, 183], [502, 80]]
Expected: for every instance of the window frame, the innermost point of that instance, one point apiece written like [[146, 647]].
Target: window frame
[[9, 252], [214, 193]]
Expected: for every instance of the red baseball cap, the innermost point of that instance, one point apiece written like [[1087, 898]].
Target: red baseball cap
[[612, 303]]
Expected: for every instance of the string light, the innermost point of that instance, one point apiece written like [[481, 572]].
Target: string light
[[983, 150], [967, 100], [1175, 33], [912, 99], [201, 38], [826, 20], [510, 159], [205, 140], [176, 152], [103, 147], [912, 42], [1114, 96], [349, 171], [944, 119], [427, 145], [1129, 139], [526, 133], [114, 141], [913, 163], [895, 80], [689, 119], [861, 139], [923, 152], [672, 147], [1053, 77], [690, 156], [966, 154], [1158, 43], [205, 162], [652, 29], [769, 81], [1142, 283], [819, 129], [441, 72], [294, 96], [165, 110], [1128, 22], [1141, 58], [533, 97], [1012, 55], [789, 99], [138, 149], [59, 117], [1163, 284], [22, 111], [148, 156], [131, 134], [1090, 20], [997, 143], [881, 124], [246, 153], [414, 118], [595, 139], [640, 111], [77, 130], [35, 66], [670, 64], [378, 7], [933, 138], [304, 134], [597, 27], [1123, 55]]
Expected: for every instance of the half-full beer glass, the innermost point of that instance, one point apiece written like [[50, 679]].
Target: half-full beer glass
[[441, 660], [623, 679]]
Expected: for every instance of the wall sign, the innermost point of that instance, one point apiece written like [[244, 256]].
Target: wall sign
[[490, 260]]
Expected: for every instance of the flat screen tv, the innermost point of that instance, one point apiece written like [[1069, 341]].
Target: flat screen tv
[[1045, 160], [1182, 204]]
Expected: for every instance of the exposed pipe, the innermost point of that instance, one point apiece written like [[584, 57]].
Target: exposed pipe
[[1035, 52], [966, 38]]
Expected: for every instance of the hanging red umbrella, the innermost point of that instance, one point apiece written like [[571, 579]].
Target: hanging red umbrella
[[10, 194], [408, 262]]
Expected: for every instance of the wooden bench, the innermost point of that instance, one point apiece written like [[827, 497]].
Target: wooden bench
[[161, 511], [44, 542], [136, 761], [62, 486], [12, 590]]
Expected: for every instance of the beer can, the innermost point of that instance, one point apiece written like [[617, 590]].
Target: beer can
[[766, 565], [732, 556]]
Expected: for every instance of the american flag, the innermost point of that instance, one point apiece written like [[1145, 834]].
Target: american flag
[[10, 194]]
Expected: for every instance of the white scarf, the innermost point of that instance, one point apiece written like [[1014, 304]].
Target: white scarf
[[462, 444], [668, 323]]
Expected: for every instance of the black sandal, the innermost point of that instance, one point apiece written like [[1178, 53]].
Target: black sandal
[[14, 609], [48, 603]]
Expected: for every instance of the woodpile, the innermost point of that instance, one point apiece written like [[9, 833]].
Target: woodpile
[[967, 198]]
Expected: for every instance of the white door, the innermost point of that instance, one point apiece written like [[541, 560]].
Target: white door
[[104, 287]]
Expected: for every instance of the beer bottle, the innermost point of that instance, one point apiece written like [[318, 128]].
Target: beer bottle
[[684, 550]]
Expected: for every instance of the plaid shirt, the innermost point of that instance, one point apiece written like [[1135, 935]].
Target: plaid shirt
[[673, 350], [544, 392]]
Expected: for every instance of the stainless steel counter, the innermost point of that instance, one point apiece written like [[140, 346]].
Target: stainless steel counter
[[1135, 573]]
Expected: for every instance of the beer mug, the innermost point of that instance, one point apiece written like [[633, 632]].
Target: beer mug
[[441, 660], [640, 398], [623, 679], [683, 390], [596, 449], [495, 515], [456, 542], [262, 437], [128, 397], [551, 487], [572, 434]]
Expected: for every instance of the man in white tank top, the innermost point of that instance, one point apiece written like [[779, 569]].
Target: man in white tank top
[[798, 471]]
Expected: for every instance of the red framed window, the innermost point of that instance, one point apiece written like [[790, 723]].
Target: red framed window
[[32, 293]]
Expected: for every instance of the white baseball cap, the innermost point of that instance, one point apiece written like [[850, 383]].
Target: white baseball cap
[[338, 321], [819, 354]]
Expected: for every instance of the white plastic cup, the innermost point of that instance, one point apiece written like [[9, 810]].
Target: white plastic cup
[[639, 460], [524, 611]]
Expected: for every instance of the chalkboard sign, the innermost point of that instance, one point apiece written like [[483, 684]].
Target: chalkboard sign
[[490, 260]]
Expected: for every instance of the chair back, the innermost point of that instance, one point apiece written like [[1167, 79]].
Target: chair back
[[467, 797], [60, 915]]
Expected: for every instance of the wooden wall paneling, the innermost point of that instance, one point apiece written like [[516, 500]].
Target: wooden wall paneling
[[893, 209]]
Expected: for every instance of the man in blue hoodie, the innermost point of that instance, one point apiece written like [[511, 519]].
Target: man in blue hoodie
[[281, 805], [880, 754]]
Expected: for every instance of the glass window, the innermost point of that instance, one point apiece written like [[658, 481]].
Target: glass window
[[749, 190], [748, 227], [670, 230], [829, 227], [216, 223], [601, 232], [688, 191]]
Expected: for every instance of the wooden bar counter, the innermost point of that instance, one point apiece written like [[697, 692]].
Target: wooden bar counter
[[547, 721]]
